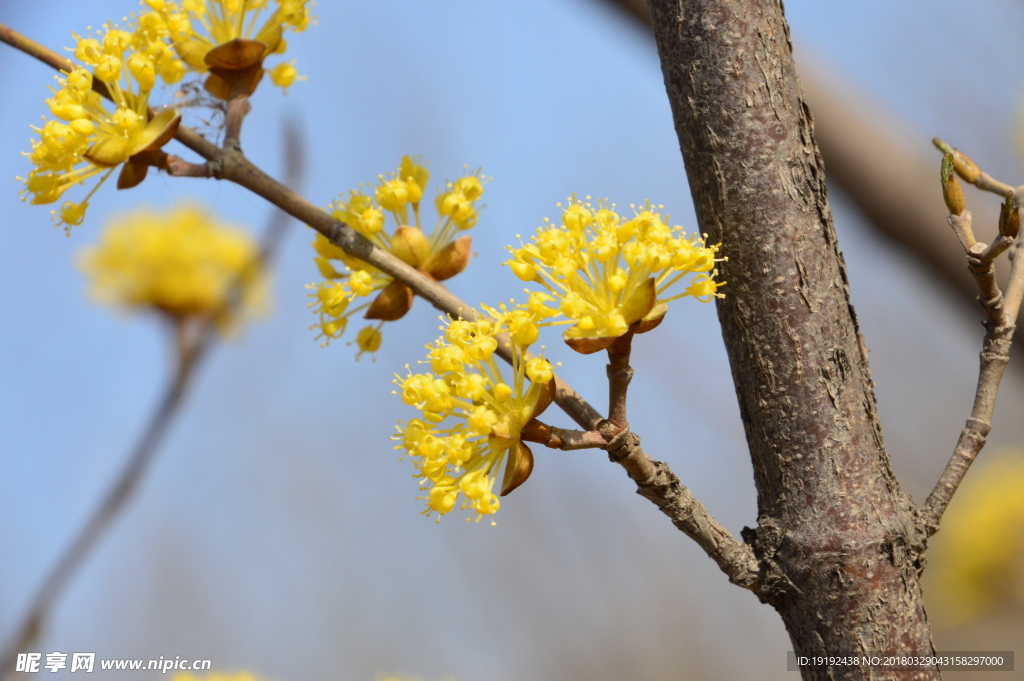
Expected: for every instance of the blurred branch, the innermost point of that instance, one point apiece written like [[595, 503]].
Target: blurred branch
[[661, 487], [193, 345]]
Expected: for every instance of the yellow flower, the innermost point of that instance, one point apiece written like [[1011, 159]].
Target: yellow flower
[[607, 276], [368, 339], [229, 39], [182, 263], [472, 416], [976, 561], [90, 136], [441, 255]]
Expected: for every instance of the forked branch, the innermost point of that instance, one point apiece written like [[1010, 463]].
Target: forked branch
[[1000, 317]]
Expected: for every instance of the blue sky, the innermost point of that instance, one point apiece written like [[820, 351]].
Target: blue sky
[[277, 532]]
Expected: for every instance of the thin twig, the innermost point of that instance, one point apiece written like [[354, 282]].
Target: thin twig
[[1000, 319], [654, 480], [659, 485], [562, 438], [987, 183], [237, 109], [619, 375]]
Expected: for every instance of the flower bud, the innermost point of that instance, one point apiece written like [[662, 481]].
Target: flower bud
[[1009, 217], [368, 339], [410, 246], [965, 167], [952, 192]]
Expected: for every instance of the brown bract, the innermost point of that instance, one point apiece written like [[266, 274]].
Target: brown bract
[[450, 260], [520, 457], [411, 246], [392, 303], [236, 68], [137, 165]]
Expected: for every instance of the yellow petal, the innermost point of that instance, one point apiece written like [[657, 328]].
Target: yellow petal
[[640, 302], [158, 132], [109, 151], [271, 34], [193, 52]]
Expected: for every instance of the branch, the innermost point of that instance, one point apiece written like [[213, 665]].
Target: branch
[[619, 375], [654, 480], [659, 485], [839, 576], [1000, 319], [562, 438]]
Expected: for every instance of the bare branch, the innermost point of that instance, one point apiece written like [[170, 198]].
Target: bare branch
[[1000, 318], [659, 485], [237, 109], [562, 438]]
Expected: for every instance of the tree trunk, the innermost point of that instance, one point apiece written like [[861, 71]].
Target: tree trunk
[[837, 539]]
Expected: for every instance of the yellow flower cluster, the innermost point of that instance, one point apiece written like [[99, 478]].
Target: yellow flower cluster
[[472, 418], [182, 264], [976, 561], [440, 255], [90, 136], [606, 275], [229, 39]]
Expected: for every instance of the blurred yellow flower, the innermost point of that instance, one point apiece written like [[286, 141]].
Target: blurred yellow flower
[[181, 263], [976, 560], [215, 676]]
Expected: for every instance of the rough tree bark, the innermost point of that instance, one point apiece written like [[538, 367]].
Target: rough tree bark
[[837, 538]]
